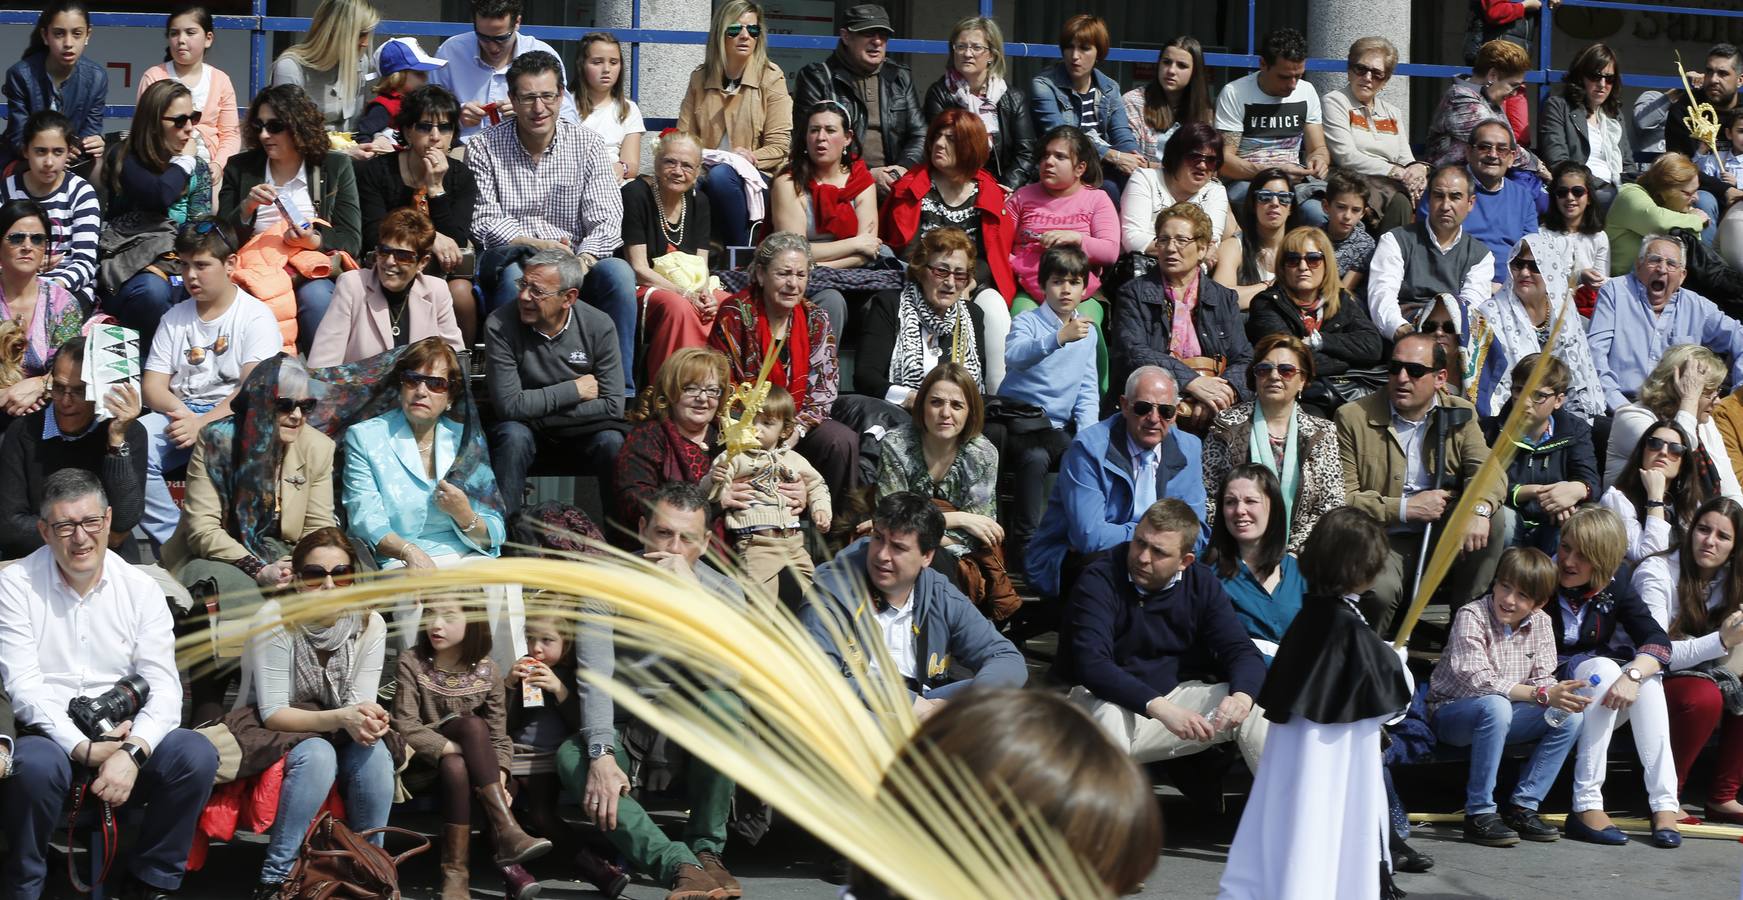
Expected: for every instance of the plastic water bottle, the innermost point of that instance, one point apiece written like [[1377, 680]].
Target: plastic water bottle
[[1556, 716]]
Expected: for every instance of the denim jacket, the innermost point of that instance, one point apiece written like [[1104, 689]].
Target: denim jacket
[[1052, 105], [29, 89]]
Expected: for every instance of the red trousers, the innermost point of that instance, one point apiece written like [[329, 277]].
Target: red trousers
[[672, 323], [1695, 710]]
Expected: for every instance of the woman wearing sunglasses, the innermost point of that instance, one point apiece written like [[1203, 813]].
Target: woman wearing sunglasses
[[1366, 137], [1264, 217], [1176, 317], [424, 177], [931, 321], [738, 100], [1584, 123], [1310, 304], [1520, 318], [289, 164], [49, 316], [1684, 387], [394, 303], [158, 177], [1189, 163], [319, 676], [1274, 431], [1658, 490]]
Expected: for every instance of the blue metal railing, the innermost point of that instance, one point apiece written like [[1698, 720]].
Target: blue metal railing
[[260, 25]]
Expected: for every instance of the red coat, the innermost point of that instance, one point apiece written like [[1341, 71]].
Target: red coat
[[901, 221]]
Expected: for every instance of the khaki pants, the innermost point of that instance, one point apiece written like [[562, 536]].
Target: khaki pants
[[763, 554], [1147, 740]]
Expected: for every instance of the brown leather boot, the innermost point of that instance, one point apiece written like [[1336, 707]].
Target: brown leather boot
[[456, 862], [716, 870], [513, 846], [691, 883]]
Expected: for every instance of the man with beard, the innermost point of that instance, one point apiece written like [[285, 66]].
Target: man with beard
[[1640, 315], [1719, 87]]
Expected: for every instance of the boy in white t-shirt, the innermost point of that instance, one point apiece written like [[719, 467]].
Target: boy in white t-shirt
[[202, 351]]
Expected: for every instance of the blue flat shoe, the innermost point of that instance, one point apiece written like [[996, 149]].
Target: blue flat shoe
[[1667, 838], [1612, 836]]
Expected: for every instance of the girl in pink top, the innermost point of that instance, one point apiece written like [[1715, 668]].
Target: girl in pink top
[[1062, 209], [190, 36]]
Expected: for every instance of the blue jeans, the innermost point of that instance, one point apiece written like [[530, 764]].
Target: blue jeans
[[365, 779], [1710, 205], [141, 302], [161, 455], [729, 216], [1490, 723], [609, 288], [172, 788], [313, 298]]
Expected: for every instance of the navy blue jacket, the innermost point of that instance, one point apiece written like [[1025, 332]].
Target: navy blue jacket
[[1130, 649], [29, 89], [1616, 606]]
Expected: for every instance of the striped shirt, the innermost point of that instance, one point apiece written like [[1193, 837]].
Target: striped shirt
[[75, 221], [568, 194]]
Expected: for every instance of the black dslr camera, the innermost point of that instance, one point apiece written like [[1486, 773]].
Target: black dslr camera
[[97, 716]]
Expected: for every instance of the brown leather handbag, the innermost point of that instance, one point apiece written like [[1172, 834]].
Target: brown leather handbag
[[985, 580], [1193, 415], [337, 863]]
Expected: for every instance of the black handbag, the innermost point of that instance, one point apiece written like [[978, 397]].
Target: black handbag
[[1017, 417], [1328, 392]]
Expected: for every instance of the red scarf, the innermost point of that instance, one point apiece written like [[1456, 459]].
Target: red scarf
[[832, 207], [795, 374]]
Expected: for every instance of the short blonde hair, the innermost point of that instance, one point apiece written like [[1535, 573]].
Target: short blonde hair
[[1666, 172], [1193, 215], [1659, 392], [1596, 533], [1364, 46]]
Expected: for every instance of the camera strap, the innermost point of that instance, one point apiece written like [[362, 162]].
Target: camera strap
[[111, 831]]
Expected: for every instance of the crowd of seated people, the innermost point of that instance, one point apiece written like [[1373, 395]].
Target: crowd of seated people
[[1037, 355]]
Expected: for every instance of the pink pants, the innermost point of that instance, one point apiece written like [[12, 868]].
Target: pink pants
[[672, 322]]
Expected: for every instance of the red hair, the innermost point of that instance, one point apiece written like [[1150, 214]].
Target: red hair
[[1084, 28], [968, 138]]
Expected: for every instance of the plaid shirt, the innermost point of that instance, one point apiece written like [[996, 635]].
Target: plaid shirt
[[569, 194], [1480, 658]]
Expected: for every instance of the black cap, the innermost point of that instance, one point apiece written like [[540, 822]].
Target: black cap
[[866, 17]]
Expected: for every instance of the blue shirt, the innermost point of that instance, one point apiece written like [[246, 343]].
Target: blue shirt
[[1500, 218], [1627, 337], [470, 80], [1266, 614], [1061, 379]]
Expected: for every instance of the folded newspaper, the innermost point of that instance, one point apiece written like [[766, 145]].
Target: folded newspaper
[[111, 359]]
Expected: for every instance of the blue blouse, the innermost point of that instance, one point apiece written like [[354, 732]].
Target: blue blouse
[[387, 489], [1266, 615]]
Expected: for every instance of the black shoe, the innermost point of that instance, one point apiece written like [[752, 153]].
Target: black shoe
[[1406, 859], [139, 890], [267, 890], [1529, 826], [1488, 829]]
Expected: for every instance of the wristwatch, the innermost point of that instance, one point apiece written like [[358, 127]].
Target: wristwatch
[[1634, 675], [594, 751], [135, 753], [1482, 509]]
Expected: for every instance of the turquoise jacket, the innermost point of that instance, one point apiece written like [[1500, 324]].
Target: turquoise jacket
[[387, 490]]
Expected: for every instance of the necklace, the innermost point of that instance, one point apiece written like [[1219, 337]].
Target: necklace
[[396, 317], [683, 214]]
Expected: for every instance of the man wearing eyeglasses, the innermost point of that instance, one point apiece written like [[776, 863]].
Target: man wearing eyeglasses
[[883, 109], [74, 619], [1642, 314], [1503, 210], [1413, 264], [1112, 473], [547, 183], [477, 65], [553, 364], [1409, 452]]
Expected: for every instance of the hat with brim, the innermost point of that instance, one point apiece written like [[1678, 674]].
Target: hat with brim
[[403, 54], [866, 17]]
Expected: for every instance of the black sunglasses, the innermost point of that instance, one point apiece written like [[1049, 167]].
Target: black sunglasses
[[271, 126], [183, 120], [341, 574], [1660, 445], [1526, 265], [1143, 408], [438, 384], [1413, 369], [1446, 327], [1314, 259], [285, 404], [35, 238], [1575, 191], [1287, 198], [1285, 371], [495, 38], [427, 127], [398, 254]]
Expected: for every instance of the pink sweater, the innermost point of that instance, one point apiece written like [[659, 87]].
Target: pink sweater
[[1088, 212], [218, 119]]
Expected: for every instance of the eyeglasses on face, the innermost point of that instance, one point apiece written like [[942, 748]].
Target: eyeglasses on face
[[1143, 408], [64, 530], [1651, 259], [542, 98], [1206, 160], [68, 391], [35, 238], [949, 275], [427, 127], [270, 126], [1414, 369], [1313, 259], [1489, 147], [1525, 265], [1442, 326], [737, 28], [1369, 71], [1284, 371], [314, 575], [398, 254], [503, 38], [183, 120], [967, 49], [1540, 396], [1286, 198], [438, 384], [1576, 191], [1166, 241], [1660, 445], [526, 287], [1605, 77], [697, 392], [284, 405]]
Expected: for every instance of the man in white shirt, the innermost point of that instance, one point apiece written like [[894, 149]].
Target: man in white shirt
[[1272, 119], [885, 589], [1415, 263], [74, 619], [477, 65]]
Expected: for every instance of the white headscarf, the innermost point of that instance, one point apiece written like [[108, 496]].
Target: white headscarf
[[1516, 337]]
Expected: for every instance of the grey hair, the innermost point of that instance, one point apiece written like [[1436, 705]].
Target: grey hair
[[1142, 372], [776, 244], [568, 266], [1511, 140], [1649, 240], [68, 485], [673, 139]]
